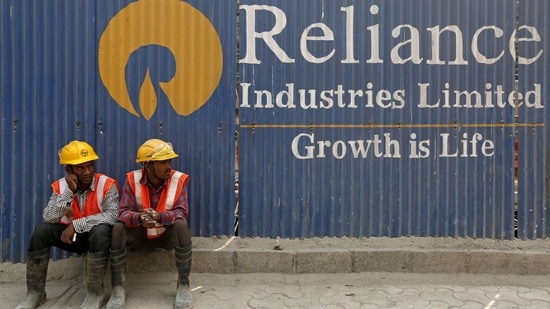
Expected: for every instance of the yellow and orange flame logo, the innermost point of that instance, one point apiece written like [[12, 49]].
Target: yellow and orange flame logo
[[179, 27]]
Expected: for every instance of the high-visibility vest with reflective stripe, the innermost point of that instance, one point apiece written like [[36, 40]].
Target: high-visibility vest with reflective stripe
[[170, 193], [93, 200]]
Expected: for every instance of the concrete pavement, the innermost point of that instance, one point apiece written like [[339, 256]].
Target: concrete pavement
[[321, 273], [338, 290]]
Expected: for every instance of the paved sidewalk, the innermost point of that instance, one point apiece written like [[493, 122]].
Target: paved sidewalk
[[320, 273], [338, 290]]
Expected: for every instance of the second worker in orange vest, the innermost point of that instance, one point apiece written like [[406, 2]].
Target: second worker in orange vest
[[153, 212]]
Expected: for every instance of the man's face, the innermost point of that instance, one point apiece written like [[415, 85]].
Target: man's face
[[159, 169], [84, 172]]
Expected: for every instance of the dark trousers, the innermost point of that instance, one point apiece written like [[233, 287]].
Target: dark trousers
[[45, 235], [136, 238]]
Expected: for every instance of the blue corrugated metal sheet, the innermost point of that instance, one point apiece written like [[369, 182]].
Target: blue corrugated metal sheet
[[321, 78], [532, 128], [349, 121], [76, 69]]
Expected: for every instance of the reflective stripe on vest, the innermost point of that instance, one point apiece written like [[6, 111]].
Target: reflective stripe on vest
[[170, 193], [94, 198]]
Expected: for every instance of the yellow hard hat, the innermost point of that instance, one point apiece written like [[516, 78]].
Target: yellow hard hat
[[76, 152], [155, 150]]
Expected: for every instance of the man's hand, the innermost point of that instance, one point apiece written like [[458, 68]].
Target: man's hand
[[154, 215], [67, 235], [146, 220], [72, 181]]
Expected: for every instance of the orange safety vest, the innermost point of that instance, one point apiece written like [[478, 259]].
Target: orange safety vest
[[170, 194], [93, 200]]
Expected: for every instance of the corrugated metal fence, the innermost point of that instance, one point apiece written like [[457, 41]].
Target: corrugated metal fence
[[354, 118], [392, 118], [115, 73]]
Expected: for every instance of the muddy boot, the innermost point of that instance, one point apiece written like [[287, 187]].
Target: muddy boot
[[118, 279], [37, 270], [184, 298], [96, 266]]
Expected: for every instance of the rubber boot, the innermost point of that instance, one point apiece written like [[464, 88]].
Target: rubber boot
[[37, 270], [184, 298], [96, 264], [118, 279]]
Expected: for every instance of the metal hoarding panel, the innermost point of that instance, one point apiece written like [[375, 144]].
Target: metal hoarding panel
[[376, 118], [370, 155], [115, 73], [532, 131]]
